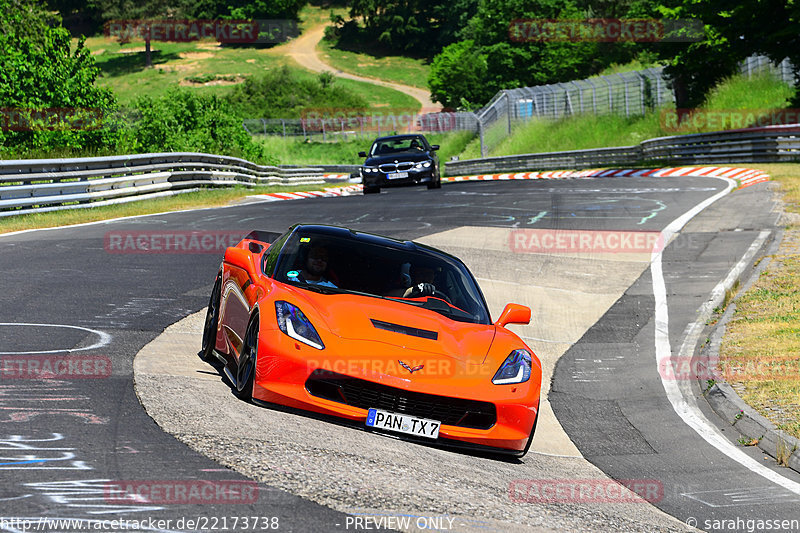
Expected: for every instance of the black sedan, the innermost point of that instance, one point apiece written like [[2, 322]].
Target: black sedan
[[400, 160]]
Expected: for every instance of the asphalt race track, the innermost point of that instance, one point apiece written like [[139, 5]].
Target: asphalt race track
[[70, 444]]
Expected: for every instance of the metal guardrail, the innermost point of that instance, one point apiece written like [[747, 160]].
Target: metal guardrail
[[770, 144], [30, 185]]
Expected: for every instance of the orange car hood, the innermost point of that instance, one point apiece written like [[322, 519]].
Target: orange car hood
[[351, 317]]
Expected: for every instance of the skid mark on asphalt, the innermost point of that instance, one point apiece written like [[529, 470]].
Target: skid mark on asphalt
[[16, 401], [743, 497]]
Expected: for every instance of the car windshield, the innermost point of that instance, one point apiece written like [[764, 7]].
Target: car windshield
[[395, 146], [372, 267]]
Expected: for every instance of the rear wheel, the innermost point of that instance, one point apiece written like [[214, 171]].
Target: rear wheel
[[246, 366], [212, 322]]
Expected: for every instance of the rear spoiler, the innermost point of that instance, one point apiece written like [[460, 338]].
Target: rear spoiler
[[267, 237]]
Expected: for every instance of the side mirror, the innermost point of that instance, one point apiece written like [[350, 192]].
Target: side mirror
[[241, 258], [514, 314], [434, 147], [362, 154]]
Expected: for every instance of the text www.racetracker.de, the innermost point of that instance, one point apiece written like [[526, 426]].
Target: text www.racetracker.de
[[198, 523]]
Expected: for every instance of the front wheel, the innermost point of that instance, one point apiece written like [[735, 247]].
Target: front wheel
[[435, 184], [246, 366], [372, 190], [212, 323]]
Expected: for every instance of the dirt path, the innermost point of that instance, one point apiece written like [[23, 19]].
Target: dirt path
[[304, 51]]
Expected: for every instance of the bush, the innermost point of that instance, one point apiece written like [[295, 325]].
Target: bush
[[458, 74], [183, 121], [285, 94]]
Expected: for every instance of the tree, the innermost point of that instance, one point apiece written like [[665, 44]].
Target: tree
[[418, 27], [48, 88], [137, 11], [459, 74]]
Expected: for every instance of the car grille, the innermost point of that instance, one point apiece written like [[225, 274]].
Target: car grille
[[395, 167], [365, 394]]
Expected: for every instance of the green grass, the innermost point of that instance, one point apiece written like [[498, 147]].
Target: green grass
[[399, 69], [202, 198], [592, 131], [380, 98], [175, 64], [123, 71], [761, 348]]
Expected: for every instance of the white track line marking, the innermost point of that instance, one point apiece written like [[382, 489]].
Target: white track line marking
[[104, 338], [683, 401]]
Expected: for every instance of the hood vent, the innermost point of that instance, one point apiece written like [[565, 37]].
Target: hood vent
[[405, 330]]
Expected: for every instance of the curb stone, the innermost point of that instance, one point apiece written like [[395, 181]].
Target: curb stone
[[725, 401]]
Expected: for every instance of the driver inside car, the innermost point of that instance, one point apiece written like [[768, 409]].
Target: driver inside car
[[417, 281], [314, 268]]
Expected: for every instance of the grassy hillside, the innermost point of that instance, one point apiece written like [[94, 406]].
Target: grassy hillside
[[590, 131], [209, 68], [400, 69]]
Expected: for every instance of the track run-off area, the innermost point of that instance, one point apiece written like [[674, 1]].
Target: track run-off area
[[615, 265]]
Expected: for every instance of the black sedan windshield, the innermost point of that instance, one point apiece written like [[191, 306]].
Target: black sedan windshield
[[398, 145]]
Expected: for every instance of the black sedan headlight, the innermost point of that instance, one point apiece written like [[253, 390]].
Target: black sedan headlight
[[422, 164]]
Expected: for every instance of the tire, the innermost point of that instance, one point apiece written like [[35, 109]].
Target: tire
[[372, 190], [212, 322], [246, 366], [436, 184]]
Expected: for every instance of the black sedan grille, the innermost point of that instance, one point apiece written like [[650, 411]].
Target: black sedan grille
[[395, 167], [365, 394]]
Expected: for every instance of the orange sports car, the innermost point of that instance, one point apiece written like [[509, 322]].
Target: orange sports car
[[392, 335]]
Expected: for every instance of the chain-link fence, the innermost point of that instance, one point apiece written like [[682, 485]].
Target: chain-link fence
[[758, 64], [336, 128], [626, 93]]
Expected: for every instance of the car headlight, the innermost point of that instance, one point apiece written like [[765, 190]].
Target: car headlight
[[369, 169], [515, 369], [294, 323], [424, 164]]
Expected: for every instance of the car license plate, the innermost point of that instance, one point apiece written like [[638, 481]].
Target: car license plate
[[410, 425], [397, 175]]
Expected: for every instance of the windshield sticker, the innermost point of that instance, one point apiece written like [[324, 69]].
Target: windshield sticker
[[292, 274], [305, 239]]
